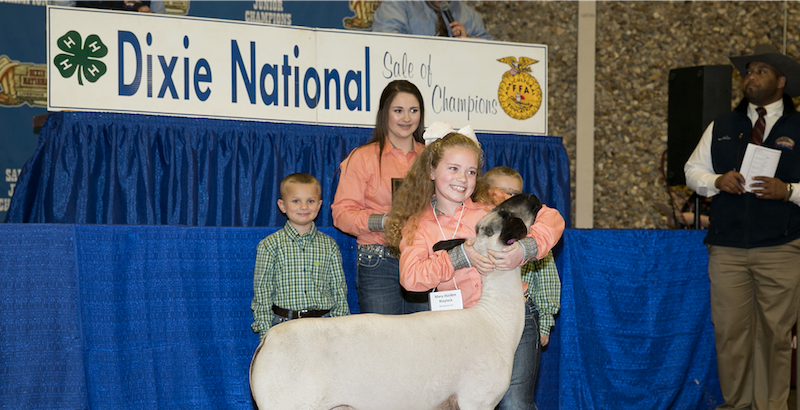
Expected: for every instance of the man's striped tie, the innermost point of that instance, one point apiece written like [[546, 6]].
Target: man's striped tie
[[758, 129]]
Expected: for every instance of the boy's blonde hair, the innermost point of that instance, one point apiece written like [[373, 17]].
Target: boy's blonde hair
[[486, 183], [414, 194], [299, 178]]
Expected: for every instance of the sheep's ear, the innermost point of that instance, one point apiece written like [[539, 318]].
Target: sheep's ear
[[448, 244], [534, 204], [514, 229]]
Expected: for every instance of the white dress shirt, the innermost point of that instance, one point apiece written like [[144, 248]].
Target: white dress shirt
[[699, 169]]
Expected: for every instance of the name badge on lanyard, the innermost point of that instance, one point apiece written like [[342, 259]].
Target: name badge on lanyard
[[449, 299], [446, 300]]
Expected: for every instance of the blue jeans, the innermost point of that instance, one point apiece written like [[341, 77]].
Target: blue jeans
[[379, 290], [521, 394]]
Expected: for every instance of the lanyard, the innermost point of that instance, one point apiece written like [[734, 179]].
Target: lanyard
[[457, 223], [454, 232]]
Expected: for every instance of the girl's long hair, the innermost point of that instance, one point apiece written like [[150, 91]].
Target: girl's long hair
[[414, 194]]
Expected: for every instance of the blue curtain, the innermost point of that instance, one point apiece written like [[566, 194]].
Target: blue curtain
[[148, 317], [130, 317], [635, 321], [101, 168], [41, 349]]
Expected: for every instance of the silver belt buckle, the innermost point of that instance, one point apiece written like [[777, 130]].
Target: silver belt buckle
[[300, 313]]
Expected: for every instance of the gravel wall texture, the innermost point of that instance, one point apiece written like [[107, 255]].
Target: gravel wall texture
[[637, 43]]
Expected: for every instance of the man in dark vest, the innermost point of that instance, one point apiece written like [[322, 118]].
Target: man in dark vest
[[754, 236]]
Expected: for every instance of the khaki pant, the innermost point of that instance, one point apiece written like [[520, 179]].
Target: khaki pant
[[753, 307]]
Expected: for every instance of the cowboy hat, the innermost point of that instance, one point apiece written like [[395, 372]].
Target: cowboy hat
[[767, 53]]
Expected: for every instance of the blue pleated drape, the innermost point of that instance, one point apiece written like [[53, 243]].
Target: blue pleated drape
[[130, 317], [158, 317], [635, 322], [105, 168]]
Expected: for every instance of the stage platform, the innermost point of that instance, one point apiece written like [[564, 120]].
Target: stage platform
[[158, 317]]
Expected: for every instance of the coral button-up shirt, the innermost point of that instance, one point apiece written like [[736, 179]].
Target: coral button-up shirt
[[422, 269], [365, 188]]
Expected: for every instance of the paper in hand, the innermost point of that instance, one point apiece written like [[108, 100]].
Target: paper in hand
[[759, 161]]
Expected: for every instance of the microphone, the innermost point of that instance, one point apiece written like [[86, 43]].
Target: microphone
[[444, 7]]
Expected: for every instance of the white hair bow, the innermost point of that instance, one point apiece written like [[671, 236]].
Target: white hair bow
[[440, 129]]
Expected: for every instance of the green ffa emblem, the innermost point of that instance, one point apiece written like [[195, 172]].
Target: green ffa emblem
[[84, 57]]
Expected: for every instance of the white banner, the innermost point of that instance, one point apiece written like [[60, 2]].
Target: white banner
[[168, 65]]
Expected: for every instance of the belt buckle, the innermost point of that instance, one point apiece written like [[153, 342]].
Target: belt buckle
[[300, 313]]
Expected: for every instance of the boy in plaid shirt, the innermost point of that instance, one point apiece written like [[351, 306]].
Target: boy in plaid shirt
[[298, 271]]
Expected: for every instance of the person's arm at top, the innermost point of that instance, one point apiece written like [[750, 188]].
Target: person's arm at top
[[391, 17], [157, 6], [472, 22]]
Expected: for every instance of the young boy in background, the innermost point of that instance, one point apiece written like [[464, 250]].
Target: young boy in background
[[298, 271], [541, 276]]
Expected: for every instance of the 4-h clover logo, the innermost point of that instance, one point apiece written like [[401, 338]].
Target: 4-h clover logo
[[83, 57]]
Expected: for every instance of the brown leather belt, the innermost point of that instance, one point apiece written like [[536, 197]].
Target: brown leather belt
[[297, 314]]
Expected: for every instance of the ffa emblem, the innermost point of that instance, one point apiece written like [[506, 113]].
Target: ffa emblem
[[519, 93]]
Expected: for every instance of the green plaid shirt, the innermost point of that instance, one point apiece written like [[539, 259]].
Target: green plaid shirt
[[297, 272], [545, 287]]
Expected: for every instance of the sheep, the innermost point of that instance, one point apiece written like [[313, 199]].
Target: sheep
[[455, 359]]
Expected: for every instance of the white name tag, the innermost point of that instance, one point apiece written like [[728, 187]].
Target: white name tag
[[446, 300]]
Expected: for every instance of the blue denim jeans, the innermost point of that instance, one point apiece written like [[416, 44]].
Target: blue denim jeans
[[521, 394], [379, 290]]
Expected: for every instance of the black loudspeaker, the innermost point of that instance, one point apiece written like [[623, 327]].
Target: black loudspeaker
[[697, 95]]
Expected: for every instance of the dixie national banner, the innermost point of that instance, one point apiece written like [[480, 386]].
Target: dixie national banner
[[188, 66]]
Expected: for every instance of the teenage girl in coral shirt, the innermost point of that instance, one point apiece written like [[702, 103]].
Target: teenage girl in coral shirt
[[364, 196]]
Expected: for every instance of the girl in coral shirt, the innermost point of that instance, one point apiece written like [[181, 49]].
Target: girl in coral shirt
[[434, 204], [364, 196]]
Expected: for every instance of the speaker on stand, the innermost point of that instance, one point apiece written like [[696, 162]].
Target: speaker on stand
[[697, 95]]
